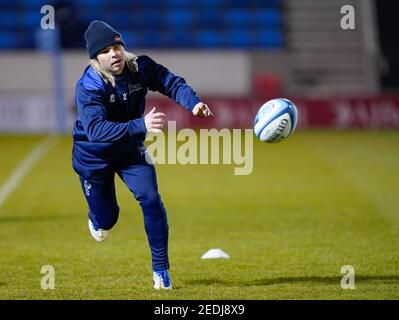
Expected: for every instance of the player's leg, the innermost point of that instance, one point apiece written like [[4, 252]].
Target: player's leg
[[99, 190], [140, 177]]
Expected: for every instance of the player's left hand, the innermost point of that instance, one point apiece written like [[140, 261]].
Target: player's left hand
[[202, 110]]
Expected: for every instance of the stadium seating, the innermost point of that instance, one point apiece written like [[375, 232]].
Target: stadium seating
[[158, 23]]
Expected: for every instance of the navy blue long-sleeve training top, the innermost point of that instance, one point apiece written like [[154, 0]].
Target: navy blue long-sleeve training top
[[110, 119]]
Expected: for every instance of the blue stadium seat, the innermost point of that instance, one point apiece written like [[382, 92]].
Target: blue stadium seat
[[209, 39], [162, 23], [269, 38], [144, 39], [209, 18], [30, 19], [177, 39], [239, 39], [120, 19], [8, 40], [151, 39], [146, 4], [131, 39], [240, 3], [237, 18], [9, 5], [8, 20], [32, 4], [91, 3], [147, 19], [120, 4], [26, 39], [87, 15], [209, 3], [178, 19], [177, 4], [266, 3], [268, 18]]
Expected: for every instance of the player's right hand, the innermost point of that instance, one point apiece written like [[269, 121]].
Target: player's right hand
[[202, 110], [154, 121]]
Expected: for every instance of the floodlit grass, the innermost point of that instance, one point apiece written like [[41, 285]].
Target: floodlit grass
[[312, 204]]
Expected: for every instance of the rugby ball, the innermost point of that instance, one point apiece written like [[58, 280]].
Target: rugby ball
[[276, 120]]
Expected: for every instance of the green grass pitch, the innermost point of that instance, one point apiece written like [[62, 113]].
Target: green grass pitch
[[317, 202]]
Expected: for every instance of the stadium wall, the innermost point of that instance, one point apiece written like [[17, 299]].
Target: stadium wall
[[377, 112], [35, 114], [223, 79]]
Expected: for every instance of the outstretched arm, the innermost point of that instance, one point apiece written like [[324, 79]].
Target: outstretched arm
[[158, 78]]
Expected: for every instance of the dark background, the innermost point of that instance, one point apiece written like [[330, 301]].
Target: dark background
[[387, 15]]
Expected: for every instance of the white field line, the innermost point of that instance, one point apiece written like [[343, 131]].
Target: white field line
[[15, 178]]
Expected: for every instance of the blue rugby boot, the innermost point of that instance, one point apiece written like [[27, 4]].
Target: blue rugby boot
[[162, 280]]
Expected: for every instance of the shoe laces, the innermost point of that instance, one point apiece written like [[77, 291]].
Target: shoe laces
[[165, 277]]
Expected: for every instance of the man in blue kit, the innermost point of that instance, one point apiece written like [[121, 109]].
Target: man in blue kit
[[109, 136]]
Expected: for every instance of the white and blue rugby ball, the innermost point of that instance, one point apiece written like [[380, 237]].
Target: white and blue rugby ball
[[276, 120]]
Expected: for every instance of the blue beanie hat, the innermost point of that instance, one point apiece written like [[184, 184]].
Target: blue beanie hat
[[100, 35]]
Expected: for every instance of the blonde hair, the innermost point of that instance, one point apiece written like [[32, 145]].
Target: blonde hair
[[108, 77]]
